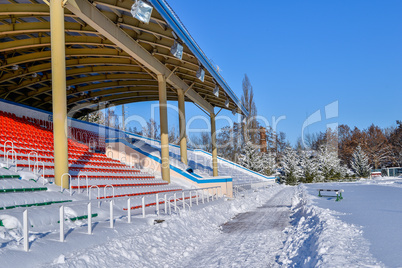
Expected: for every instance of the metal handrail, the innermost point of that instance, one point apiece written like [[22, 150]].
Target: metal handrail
[[88, 203], [89, 196], [36, 167], [29, 158], [4, 147], [92, 142], [69, 182], [174, 205], [90, 188], [79, 177], [13, 152], [104, 190]]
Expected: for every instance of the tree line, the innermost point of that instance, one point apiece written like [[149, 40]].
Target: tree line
[[333, 154]]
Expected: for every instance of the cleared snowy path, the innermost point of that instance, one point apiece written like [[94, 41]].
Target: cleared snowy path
[[251, 239], [199, 238]]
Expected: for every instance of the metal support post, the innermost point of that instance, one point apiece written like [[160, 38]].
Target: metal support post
[[164, 128], [214, 148], [182, 127], [59, 96]]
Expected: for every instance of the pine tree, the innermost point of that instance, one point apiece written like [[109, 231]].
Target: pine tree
[[360, 163], [328, 163], [251, 159], [309, 166], [269, 163], [291, 173]]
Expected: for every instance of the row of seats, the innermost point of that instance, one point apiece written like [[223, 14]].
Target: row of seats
[[8, 120], [28, 135]]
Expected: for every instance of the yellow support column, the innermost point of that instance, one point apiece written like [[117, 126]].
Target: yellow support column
[[164, 128], [182, 127], [214, 149], [57, 33]]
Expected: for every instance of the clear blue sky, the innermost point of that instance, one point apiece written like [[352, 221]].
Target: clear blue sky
[[303, 55]]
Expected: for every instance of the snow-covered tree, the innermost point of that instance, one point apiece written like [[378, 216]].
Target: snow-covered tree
[[251, 158], [291, 171], [269, 163], [309, 167], [360, 163], [96, 117], [328, 164]]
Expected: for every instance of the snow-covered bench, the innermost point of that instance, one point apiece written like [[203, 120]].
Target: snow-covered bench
[[337, 192]]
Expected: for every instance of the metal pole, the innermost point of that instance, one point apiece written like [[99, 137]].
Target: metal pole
[[165, 204], [111, 214], [184, 207], [182, 127], [123, 117], [61, 213], [214, 148], [175, 202], [143, 207], [129, 210], [89, 218], [25, 230], [164, 128], [157, 204], [59, 95]]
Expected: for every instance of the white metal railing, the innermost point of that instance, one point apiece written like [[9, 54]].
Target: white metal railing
[[169, 203], [69, 182], [104, 190], [86, 179], [92, 145], [36, 170], [13, 153], [29, 158], [90, 197], [237, 189], [174, 205], [4, 147]]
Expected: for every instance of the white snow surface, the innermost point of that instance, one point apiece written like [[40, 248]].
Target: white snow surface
[[279, 226]]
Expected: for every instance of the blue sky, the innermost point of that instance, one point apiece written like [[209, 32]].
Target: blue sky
[[301, 56]]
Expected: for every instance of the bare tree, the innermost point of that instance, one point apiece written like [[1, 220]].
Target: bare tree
[[173, 136], [395, 138], [151, 130], [377, 147], [249, 123], [112, 120], [203, 142]]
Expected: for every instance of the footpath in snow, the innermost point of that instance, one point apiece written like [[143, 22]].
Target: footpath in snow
[[251, 239], [200, 237]]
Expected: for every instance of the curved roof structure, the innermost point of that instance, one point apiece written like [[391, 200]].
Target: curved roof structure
[[111, 57]]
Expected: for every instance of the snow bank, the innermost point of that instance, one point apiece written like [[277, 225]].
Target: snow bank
[[318, 239], [11, 229]]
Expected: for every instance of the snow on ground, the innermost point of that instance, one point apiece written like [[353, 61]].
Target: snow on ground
[[196, 239], [374, 207], [278, 226]]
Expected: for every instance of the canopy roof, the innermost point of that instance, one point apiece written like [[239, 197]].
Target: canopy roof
[[111, 57]]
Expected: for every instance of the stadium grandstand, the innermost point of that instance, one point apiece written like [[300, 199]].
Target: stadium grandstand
[[63, 59]]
